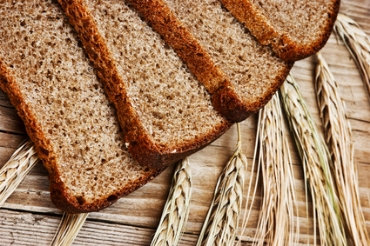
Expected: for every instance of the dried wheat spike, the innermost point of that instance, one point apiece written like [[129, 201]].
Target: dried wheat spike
[[14, 171], [338, 136], [317, 166], [357, 43], [176, 209], [221, 223], [278, 219]]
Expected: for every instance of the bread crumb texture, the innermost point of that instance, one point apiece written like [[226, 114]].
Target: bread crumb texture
[[310, 17], [253, 69], [172, 105], [56, 81]]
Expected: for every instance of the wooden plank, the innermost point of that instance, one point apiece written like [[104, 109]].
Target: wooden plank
[[17, 228], [10, 121], [4, 101], [8, 144]]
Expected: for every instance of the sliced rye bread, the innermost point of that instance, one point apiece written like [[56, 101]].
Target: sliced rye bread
[[223, 96], [294, 29], [50, 81], [240, 74], [164, 111]]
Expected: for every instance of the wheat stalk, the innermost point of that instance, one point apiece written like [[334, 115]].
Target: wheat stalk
[[68, 229], [14, 171], [278, 221], [357, 43], [251, 192], [221, 223], [338, 137], [316, 166], [176, 209]]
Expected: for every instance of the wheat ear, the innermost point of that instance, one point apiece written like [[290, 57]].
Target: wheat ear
[[14, 171], [176, 209], [68, 229], [221, 223], [357, 43], [278, 220], [317, 165], [338, 136]]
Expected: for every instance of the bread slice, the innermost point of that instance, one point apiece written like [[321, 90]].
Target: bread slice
[[164, 111], [240, 74], [294, 29], [48, 78], [223, 97]]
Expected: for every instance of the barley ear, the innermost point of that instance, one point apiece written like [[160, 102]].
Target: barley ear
[[14, 171], [317, 166], [338, 136], [176, 209], [278, 219], [221, 223], [357, 43]]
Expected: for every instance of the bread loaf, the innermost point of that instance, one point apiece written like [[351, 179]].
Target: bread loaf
[[164, 111], [294, 29], [240, 74], [48, 78]]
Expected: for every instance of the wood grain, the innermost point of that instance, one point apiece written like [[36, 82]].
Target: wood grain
[[29, 218]]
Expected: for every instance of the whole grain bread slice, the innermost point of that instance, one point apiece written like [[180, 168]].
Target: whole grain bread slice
[[240, 74], [164, 111], [67, 115], [294, 29]]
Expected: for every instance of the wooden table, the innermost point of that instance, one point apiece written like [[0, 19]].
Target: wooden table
[[29, 218]]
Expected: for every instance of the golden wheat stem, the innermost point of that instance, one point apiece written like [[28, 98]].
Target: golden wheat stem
[[176, 209], [317, 165], [357, 43], [251, 191], [14, 171], [221, 223], [338, 136], [278, 221], [68, 229]]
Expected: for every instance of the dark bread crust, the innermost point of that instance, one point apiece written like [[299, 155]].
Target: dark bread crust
[[58, 192], [225, 99], [44, 151], [159, 16], [141, 146], [281, 43], [70, 204]]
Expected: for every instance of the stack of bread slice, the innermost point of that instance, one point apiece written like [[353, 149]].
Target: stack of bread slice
[[144, 97], [67, 115]]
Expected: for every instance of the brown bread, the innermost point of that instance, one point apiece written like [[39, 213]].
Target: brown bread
[[164, 111], [48, 78], [240, 74]]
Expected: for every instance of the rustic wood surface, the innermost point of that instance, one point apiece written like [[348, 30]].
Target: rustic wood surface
[[29, 218]]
